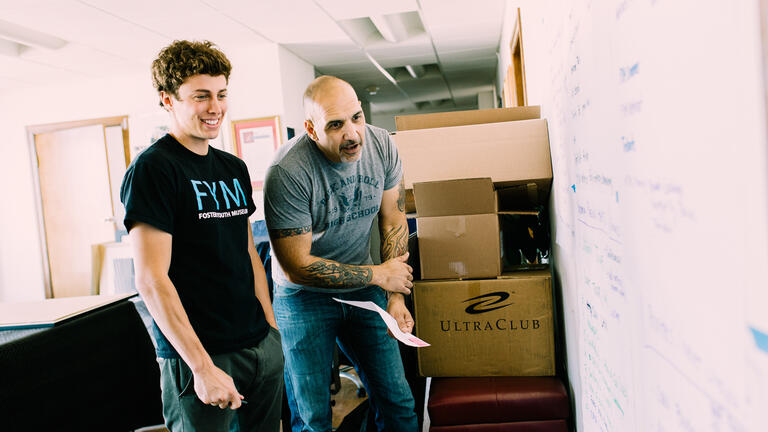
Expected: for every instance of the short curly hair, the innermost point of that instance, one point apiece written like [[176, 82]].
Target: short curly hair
[[183, 59]]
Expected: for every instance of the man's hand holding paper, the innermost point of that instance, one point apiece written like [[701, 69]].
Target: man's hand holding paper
[[392, 324], [396, 307]]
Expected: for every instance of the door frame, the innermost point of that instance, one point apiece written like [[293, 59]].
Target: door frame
[[515, 93], [33, 130]]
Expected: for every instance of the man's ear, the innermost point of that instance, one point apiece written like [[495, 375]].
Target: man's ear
[[167, 100], [310, 128]]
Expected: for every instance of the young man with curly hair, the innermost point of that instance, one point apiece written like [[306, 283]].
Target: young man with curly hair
[[197, 269]]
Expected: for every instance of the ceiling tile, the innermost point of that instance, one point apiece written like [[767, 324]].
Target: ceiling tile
[[109, 36], [8, 83], [452, 15], [82, 59], [35, 73], [352, 70], [476, 41], [89, 26], [486, 64], [191, 20], [286, 21], [345, 9], [412, 60], [426, 89], [418, 46], [328, 53]]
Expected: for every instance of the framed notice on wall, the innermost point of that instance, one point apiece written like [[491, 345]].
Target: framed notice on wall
[[255, 142]]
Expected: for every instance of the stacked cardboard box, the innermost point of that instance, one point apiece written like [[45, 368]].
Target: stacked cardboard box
[[513, 150], [459, 226], [458, 229], [464, 167], [486, 327]]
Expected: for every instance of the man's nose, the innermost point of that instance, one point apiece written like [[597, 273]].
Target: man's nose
[[215, 105], [349, 132]]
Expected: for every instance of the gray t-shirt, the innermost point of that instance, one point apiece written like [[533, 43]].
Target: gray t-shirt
[[338, 200]]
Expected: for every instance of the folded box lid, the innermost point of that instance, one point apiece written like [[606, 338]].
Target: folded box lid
[[455, 197], [514, 152], [460, 118]]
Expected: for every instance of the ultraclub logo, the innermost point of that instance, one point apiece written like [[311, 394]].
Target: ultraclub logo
[[486, 302]]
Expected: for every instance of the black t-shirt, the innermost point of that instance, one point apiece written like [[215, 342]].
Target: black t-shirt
[[204, 203]]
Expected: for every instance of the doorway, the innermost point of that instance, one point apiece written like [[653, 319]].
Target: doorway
[[514, 81], [79, 167]]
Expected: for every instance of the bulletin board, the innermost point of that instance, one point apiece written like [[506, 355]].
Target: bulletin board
[[255, 142]]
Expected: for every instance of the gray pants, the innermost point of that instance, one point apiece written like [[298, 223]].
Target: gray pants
[[258, 375]]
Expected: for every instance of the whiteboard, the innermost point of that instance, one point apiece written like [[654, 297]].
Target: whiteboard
[[659, 205]]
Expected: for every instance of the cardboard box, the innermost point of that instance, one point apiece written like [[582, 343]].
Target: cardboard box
[[491, 327], [466, 246], [461, 118], [455, 197], [525, 240], [458, 229], [510, 153]]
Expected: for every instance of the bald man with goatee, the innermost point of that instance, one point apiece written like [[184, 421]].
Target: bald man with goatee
[[321, 195]]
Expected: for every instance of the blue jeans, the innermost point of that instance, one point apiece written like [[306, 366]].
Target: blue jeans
[[311, 323]]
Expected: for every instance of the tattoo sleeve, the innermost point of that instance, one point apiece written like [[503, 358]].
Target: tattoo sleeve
[[280, 233], [325, 273], [394, 242], [329, 274]]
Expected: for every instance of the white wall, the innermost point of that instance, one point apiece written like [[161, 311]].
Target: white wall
[[296, 74], [20, 250], [256, 89]]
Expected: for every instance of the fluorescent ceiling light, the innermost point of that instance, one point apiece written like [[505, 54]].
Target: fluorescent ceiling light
[[383, 27], [381, 69], [9, 48], [28, 37], [415, 71], [397, 27]]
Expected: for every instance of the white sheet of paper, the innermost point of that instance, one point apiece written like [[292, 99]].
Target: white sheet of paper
[[406, 338]]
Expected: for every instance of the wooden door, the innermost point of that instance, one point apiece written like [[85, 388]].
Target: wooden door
[[76, 203]]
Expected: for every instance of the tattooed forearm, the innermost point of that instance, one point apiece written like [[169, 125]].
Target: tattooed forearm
[[394, 242], [280, 233], [329, 274], [401, 198]]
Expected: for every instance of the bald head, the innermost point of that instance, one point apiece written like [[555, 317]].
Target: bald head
[[319, 89]]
